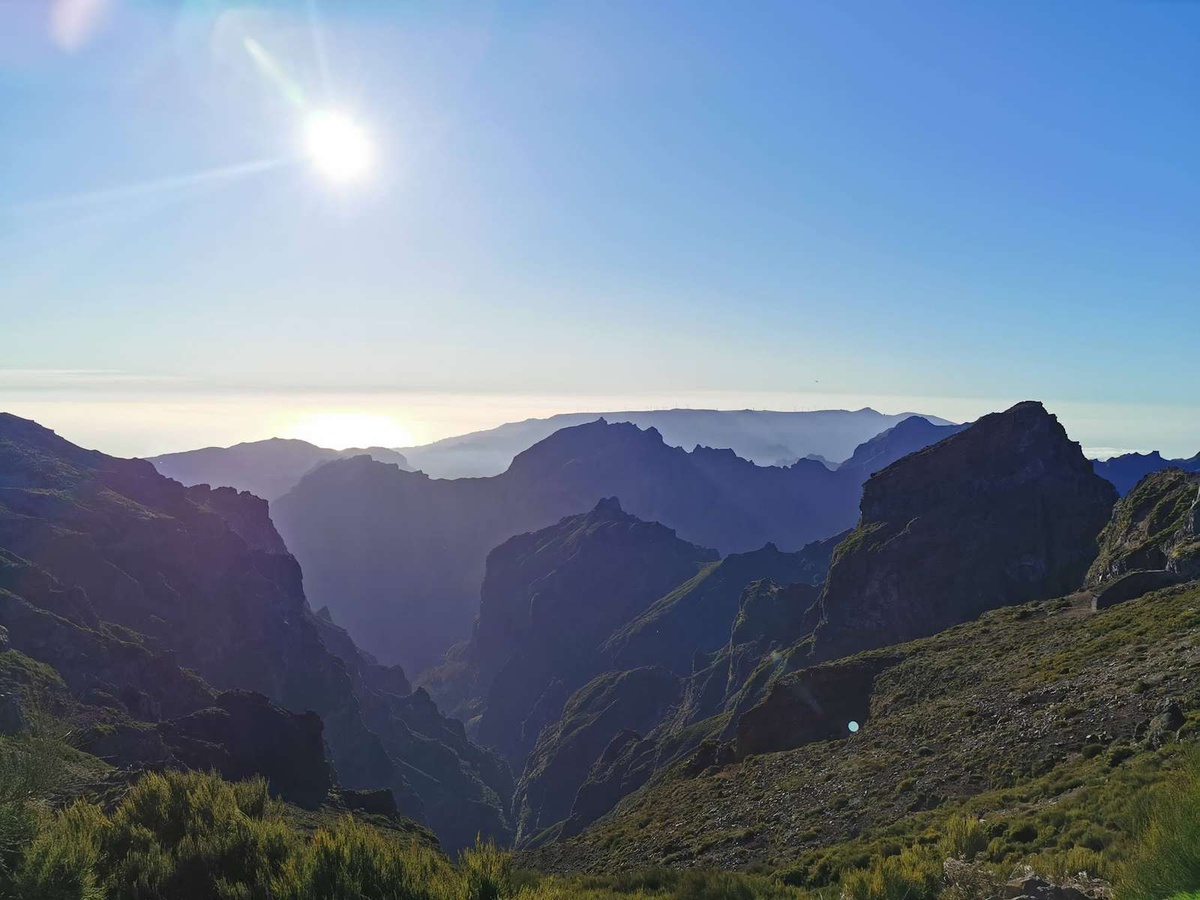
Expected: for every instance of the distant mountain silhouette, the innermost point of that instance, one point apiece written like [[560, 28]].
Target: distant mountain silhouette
[[399, 557], [1127, 470], [267, 469], [764, 437]]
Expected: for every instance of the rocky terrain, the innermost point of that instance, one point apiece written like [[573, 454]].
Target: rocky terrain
[[1043, 719], [399, 557], [132, 588], [1155, 527]]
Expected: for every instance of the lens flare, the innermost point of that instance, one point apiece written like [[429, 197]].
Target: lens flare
[[338, 147]]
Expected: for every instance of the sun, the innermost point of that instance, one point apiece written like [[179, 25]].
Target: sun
[[339, 430], [338, 147]]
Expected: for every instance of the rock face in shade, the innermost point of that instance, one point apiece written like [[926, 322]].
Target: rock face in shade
[[905, 437], [605, 707], [1154, 528], [113, 570], [549, 602], [399, 557], [694, 618], [1004, 512]]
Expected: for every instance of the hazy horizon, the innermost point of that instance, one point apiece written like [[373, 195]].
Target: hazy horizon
[[144, 422]]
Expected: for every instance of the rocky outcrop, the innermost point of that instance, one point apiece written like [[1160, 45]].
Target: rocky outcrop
[[905, 437], [139, 579], [400, 557], [609, 705], [240, 735], [819, 704], [694, 618], [550, 600], [1002, 513], [1154, 528]]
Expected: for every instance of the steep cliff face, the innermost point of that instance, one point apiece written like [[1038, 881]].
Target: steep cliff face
[[199, 578], [1155, 527], [608, 705], [1005, 512], [550, 600], [694, 618]]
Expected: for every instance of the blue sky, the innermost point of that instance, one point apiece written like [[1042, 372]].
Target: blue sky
[[937, 206]]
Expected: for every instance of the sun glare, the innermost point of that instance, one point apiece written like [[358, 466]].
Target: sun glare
[[338, 147], [350, 429]]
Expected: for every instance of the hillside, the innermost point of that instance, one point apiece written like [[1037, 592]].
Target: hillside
[[399, 557], [132, 588], [763, 437], [267, 469], [1045, 720], [1005, 512]]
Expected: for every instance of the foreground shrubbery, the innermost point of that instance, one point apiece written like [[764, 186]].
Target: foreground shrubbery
[[193, 836], [1166, 860]]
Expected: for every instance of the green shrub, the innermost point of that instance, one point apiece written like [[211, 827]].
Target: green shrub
[[30, 768], [1166, 859], [964, 837], [353, 861], [915, 874]]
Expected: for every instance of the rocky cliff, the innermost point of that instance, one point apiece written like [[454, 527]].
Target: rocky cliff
[[550, 600], [1155, 527], [1004, 512]]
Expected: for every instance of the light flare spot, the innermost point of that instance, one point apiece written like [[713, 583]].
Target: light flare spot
[[338, 147]]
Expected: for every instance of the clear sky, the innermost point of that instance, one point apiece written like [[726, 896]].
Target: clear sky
[[939, 206]]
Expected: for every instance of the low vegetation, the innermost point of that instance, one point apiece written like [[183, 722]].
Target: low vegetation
[[193, 836]]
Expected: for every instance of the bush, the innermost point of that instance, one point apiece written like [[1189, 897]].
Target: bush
[[1166, 858], [964, 837], [30, 768], [915, 874], [352, 861]]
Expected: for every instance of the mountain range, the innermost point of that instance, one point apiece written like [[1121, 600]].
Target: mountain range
[[608, 648], [994, 634], [765, 437], [399, 557]]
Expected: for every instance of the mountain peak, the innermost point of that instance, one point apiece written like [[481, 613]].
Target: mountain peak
[[1003, 512], [609, 506]]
